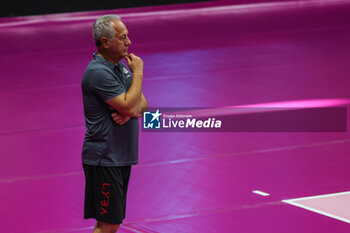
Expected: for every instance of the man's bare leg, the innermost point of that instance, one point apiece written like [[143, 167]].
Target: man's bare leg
[[103, 227]]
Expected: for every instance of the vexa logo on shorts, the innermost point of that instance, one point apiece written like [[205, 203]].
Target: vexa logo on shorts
[[105, 202]]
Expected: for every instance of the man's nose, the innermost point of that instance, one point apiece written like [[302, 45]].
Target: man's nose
[[128, 42]]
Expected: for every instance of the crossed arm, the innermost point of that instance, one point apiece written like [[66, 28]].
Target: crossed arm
[[122, 119], [131, 103]]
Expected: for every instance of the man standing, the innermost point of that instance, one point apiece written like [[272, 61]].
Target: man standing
[[113, 100]]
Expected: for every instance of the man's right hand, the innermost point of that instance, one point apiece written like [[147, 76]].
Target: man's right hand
[[135, 63], [128, 103], [119, 119]]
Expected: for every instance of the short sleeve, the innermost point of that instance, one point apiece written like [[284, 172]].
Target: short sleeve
[[105, 85]]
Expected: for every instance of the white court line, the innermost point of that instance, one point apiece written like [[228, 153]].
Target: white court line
[[293, 202], [261, 193], [318, 196]]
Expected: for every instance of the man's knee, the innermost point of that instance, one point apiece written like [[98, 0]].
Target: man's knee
[[107, 227], [115, 227]]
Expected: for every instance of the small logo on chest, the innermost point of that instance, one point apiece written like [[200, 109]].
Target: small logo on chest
[[126, 72]]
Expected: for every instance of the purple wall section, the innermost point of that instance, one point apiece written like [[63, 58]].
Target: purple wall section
[[213, 54]]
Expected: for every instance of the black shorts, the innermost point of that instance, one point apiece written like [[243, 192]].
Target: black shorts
[[105, 193]]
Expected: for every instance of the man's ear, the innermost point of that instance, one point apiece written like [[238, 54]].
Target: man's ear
[[104, 42]]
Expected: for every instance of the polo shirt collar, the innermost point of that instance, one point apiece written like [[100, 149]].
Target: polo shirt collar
[[104, 61]]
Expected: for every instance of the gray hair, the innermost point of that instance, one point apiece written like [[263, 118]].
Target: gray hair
[[103, 28]]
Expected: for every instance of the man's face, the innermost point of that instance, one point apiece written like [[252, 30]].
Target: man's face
[[120, 43]]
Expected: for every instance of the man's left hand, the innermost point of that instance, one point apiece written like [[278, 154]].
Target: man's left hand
[[119, 119]]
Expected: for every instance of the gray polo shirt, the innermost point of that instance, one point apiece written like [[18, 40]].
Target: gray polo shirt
[[106, 143]]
